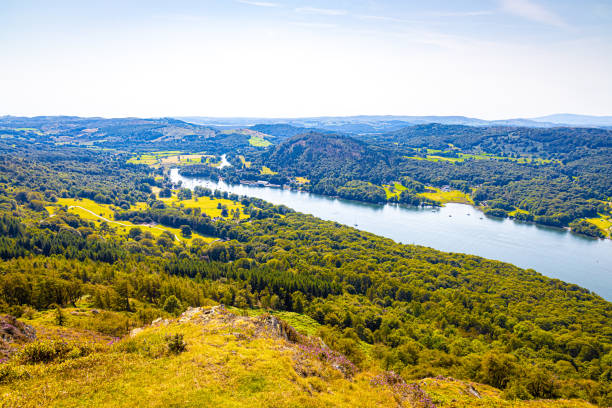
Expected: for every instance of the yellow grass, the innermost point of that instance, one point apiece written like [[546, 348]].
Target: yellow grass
[[517, 211], [453, 196], [227, 363], [393, 190], [266, 170], [85, 207], [208, 205], [246, 163], [258, 141], [302, 180], [184, 159], [223, 366], [604, 224]]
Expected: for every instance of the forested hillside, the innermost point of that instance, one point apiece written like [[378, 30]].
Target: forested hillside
[[557, 176], [413, 310]]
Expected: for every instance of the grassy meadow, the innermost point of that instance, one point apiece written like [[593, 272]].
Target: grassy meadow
[[604, 223], [259, 141], [267, 171], [99, 213], [208, 205], [443, 197], [227, 361]]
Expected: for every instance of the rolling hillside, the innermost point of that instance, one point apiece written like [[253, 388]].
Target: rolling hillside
[[211, 356]]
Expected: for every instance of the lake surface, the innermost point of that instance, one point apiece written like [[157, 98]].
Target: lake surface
[[454, 228]]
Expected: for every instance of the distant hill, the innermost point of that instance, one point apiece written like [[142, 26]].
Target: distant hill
[[496, 139], [118, 133], [379, 124], [576, 120], [280, 130], [330, 156]]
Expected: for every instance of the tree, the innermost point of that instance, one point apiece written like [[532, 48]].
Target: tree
[[135, 233], [166, 192], [124, 289], [186, 231], [172, 305], [497, 369], [60, 318], [184, 194]]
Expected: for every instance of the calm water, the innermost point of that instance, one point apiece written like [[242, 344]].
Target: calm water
[[454, 228]]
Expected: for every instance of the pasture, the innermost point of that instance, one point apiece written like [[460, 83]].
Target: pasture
[[99, 213], [443, 197], [267, 171], [208, 205], [259, 141]]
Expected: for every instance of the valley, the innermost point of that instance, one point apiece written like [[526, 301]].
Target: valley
[[102, 237]]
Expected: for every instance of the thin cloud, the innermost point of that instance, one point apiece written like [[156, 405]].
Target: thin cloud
[[533, 11], [321, 11], [259, 3], [474, 13], [312, 25], [382, 18]]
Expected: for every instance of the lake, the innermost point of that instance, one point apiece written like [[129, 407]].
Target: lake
[[553, 252]]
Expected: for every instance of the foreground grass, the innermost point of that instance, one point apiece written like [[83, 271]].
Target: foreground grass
[[221, 368], [228, 362]]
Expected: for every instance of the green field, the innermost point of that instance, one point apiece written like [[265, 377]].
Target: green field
[[517, 211], [152, 158], [208, 205], [172, 158], [258, 141], [603, 223], [99, 213], [244, 162], [435, 156], [443, 197], [38, 132], [267, 171], [302, 180], [393, 190]]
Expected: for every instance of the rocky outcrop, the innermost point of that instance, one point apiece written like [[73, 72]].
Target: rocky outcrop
[[13, 333]]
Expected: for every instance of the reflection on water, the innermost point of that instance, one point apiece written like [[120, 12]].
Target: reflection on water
[[454, 228]]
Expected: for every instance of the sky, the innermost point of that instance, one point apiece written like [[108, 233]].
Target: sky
[[491, 59]]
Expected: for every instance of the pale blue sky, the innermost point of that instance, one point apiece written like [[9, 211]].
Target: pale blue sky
[[488, 59]]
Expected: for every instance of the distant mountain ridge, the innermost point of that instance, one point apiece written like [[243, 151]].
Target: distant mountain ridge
[[577, 120], [378, 124]]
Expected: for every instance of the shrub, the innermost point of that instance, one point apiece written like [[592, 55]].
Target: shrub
[[175, 344], [9, 373], [39, 352], [516, 390], [48, 351]]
